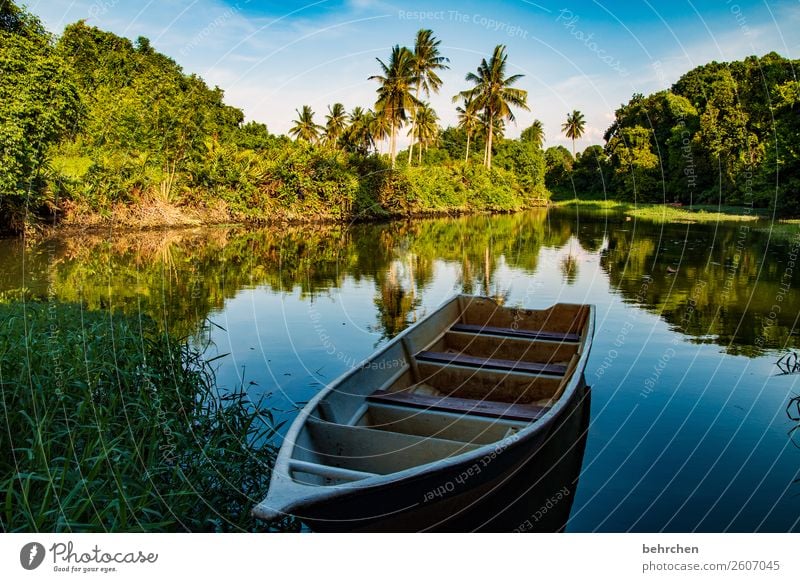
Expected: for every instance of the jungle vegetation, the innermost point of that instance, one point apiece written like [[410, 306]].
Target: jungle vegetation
[[95, 125]]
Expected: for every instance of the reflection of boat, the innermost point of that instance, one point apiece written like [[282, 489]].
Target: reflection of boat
[[435, 420], [538, 495]]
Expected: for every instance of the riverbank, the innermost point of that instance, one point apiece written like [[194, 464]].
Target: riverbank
[[157, 215], [668, 213], [454, 189]]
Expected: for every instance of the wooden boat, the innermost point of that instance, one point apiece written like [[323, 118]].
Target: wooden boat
[[434, 421]]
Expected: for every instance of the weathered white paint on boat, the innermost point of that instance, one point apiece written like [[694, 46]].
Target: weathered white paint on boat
[[340, 468]]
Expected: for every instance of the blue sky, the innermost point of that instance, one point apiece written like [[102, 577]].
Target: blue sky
[[273, 57]]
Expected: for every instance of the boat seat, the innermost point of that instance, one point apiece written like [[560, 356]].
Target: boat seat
[[504, 410], [491, 363], [516, 333]]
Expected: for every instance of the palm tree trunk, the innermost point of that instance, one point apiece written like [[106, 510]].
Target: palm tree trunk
[[489, 142], [466, 157], [413, 123], [393, 147], [573, 147], [419, 158]]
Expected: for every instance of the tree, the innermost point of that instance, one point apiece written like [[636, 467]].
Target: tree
[[39, 106], [145, 119], [574, 127], [304, 127], [589, 171], [427, 61], [497, 130], [636, 167], [526, 161], [425, 128], [724, 133], [469, 121], [395, 100], [786, 153], [534, 133], [493, 93], [16, 20], [336, 124], [379, 127], [558, 166], [358, 135]]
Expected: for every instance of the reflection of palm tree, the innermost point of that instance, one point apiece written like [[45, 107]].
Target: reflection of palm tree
[[569, 268], [569, 264], [394, 302], [466, 276], [487, 272]]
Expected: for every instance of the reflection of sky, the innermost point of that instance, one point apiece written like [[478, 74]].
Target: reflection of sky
[[273, 57], [682, 436]]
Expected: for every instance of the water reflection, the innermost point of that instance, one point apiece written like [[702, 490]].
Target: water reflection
[[720, 284], [688, 421]]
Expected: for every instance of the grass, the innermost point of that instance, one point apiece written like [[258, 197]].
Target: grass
[[109, 425], [666, 213], [782, 230]]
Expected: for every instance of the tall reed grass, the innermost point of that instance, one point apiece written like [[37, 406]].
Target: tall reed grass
[[107, 424]]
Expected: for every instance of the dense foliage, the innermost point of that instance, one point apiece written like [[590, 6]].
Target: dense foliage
[[725, 132], [94, 125], [39, 106]]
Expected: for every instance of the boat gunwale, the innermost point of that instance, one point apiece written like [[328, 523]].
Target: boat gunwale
[[286, 495]]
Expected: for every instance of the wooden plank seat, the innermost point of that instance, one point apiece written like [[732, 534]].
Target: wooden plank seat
[[504, 410], [491, 363], [520, 333]]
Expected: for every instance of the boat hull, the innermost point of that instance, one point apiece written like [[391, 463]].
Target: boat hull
[[474, 496]]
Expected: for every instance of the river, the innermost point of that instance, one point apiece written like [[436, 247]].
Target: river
[[690, 427]]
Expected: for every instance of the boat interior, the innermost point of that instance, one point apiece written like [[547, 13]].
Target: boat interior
[[472, 374]]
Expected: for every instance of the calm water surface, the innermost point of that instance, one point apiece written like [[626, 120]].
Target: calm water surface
[[690, 417]]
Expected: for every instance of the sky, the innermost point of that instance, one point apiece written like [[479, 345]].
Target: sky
[[271, 58]]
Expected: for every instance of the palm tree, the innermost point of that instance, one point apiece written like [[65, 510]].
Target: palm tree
[[427, 61], [425, 127], [394, 94], [469, 121], [378, 128], [358, 133], [534, 133], [574, 127], [498, 129], [336, 123], [304, 127], [494, 94]]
